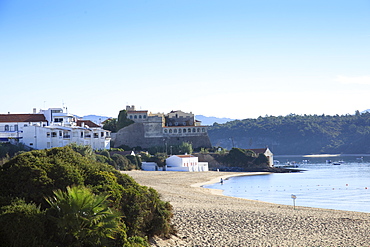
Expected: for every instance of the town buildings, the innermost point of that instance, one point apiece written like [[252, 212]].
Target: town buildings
[[51, 128]]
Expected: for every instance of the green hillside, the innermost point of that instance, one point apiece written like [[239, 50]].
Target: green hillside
[[297, 134]]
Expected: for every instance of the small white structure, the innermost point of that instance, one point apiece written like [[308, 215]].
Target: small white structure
[[185, 163], [149, 166]]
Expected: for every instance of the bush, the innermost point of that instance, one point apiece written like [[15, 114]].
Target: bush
[[22, 224], [35, 175]]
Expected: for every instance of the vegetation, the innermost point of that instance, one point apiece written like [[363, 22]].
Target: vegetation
[[297, 134], [60, 197], [115, 124], [242, 159], [8, 150], [183, 148]]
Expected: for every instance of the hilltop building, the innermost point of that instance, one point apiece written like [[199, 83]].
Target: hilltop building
[[161, 129], [51, 128]]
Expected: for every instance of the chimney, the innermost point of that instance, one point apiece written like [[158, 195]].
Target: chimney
[[34, 110]]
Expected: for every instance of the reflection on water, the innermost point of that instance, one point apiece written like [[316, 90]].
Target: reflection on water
[[321, 185]]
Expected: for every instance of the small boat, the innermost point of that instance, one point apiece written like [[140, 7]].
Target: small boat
[[336, 163]]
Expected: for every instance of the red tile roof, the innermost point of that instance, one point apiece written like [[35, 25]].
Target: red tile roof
[[89, 123], [132, 112], [185, 156], [22, 118]]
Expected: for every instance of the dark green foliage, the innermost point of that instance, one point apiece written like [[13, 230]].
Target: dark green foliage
[[242, 159], [133, 160], [8, 150], [183, 148], [159, 158], [122, 163], [82, 218], [296, 134], [111, 125], [123, 121], [22, 224], [145, 214], [35, 175]]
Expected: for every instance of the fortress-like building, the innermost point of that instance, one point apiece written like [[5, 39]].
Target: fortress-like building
[[160, 129]]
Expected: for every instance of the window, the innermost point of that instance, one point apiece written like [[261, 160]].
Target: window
[[48, 134], [170, 131], [179, 130], [96, 135], [198, 130], [58, 120], [53, 134], [60, 133], [140, 116], [130, 116], [184, 131], [165, 131], [25, 125], [175, 130], [135, 116], [144, 116], [6, 127], [16, 127], [189, 130], [101, 134], [82, 134], [203, 130], [31, 144], [193, 129]]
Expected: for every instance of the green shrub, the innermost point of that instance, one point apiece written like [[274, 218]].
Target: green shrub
[[35, 175], [22, 224]]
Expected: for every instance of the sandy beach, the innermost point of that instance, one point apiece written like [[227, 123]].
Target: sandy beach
[[204, 217]]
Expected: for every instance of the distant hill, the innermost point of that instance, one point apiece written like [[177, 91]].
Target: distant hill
[[96, 119], [296, 134], [211, 120]]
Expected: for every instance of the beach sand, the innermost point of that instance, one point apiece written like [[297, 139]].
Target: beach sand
[[204, 217]]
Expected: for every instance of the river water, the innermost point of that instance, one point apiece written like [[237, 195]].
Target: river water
[[321, 185]]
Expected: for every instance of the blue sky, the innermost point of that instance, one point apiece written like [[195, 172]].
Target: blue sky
[[236, 59]]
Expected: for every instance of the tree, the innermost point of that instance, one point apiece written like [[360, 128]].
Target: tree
[[82, 218], [186, 147], [110, 124], [123, 121]]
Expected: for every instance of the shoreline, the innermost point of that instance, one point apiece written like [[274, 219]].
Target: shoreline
[[203, 217]]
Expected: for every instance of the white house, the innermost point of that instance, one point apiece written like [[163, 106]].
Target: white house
[[52, 128], [185, 163]]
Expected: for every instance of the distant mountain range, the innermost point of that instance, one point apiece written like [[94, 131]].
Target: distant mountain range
[[96, 119], [205, 120], [211, 120]]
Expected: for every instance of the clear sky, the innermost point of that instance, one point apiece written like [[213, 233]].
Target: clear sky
[[223, 58]]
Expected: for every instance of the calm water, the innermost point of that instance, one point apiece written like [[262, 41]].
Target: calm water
[[343, 187]]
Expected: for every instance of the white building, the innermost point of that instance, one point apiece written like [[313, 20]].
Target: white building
[[52, 128], [185, 163]]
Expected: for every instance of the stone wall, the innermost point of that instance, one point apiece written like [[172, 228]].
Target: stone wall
[[136, 135]]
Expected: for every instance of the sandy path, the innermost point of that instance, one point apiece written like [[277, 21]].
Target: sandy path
[[203, 217]]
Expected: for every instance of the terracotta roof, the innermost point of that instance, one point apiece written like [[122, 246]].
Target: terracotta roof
[[22, 118], [185, 156], [88, 123], [137, 112]]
